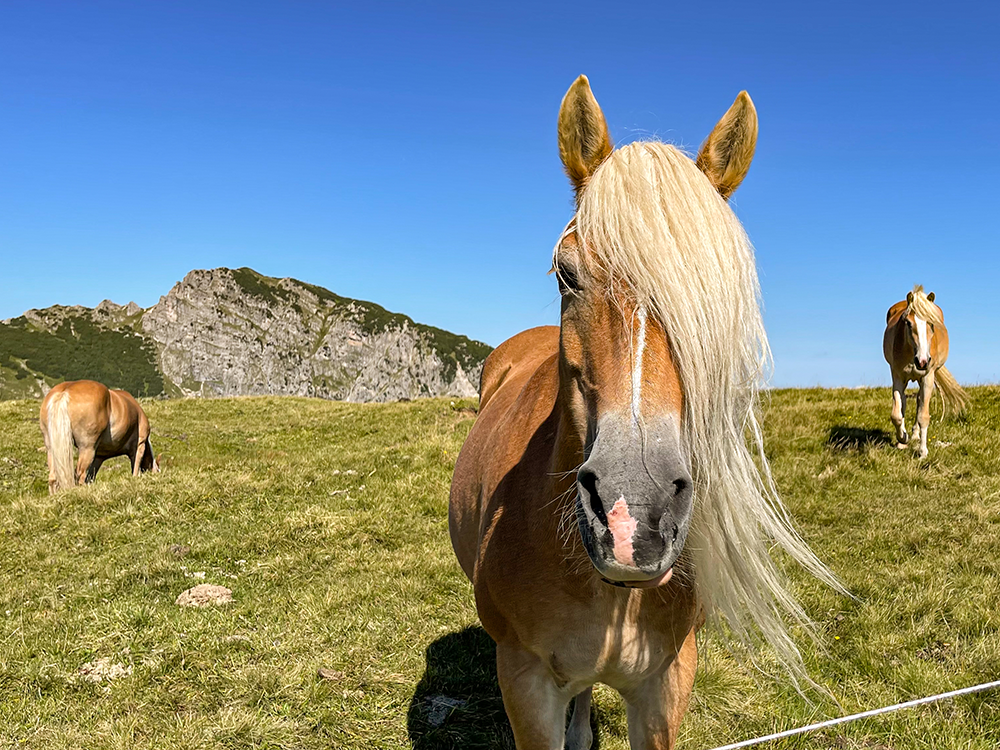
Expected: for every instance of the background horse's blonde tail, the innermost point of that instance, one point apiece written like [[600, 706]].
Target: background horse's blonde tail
[[61, 441], [953, 396]]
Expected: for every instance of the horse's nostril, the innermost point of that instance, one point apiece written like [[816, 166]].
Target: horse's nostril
[[588, 482], [676, 532], [679, 486]]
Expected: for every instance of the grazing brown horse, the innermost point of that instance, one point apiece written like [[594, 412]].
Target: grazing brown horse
[[606, 501], [915, 345], [101, 423]]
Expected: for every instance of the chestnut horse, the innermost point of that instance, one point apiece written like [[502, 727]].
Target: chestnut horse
[[915, 345], [101, 423], [606, 501]]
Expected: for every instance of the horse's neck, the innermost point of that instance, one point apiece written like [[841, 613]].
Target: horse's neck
[[568, 451], [557, 511], [898, 327]]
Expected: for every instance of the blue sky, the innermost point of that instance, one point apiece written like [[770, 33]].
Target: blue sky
[[406, 154]]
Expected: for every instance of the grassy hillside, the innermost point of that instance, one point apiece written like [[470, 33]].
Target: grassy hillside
[[76, 350], [328, 522]]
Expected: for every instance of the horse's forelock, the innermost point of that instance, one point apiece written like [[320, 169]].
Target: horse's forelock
[[923, 308]]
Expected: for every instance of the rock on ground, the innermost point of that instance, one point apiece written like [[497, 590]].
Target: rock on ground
[[102, 669], [204, 595]]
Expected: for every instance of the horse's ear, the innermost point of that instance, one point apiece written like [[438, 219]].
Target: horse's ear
[[930, 297], [156, 463], [584, 141], [726, 154], [909, 298]]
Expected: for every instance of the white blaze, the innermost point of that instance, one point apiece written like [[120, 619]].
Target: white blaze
[[640, 349], [923, 343]]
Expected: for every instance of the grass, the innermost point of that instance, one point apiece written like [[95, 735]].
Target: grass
[[328, 522]]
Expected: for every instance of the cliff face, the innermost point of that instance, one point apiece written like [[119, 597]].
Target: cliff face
[[234, 332]]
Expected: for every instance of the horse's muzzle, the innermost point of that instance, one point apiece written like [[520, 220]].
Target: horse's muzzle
[[634, 505]]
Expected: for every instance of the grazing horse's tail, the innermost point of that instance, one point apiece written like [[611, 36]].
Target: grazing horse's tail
[[61, 441], [953, 397]]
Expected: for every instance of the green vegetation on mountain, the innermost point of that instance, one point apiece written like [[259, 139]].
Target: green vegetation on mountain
[[79, 349], [263, 287]]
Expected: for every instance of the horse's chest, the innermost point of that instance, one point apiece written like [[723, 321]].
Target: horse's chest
[[910, 372], [618, 652]]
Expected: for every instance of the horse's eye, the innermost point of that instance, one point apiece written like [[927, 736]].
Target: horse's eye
[[569, 282]]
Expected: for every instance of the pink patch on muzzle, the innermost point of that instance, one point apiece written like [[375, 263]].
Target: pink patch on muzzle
[[622, 527]]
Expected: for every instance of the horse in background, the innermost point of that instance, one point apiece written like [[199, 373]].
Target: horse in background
[[102, 423], [606, 501], [915, 345]]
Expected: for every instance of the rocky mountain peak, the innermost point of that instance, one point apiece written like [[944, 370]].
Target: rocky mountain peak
[[231, 332]]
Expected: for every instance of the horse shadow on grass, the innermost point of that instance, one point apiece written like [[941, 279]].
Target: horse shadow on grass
[[845, 438], [457, 704]]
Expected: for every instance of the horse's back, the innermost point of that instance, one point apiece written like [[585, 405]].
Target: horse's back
[[88, 407], [88, 400], [894, 312], [84, 391], [892, 339], [515, 358], [507, 412]]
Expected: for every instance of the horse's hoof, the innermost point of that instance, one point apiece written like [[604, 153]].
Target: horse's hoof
[[922, 453], [901, 446]]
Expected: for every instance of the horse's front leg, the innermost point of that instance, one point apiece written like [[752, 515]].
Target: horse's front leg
[[657, 705], [535, 705], [579, 735], [899, 410], [923, 418]]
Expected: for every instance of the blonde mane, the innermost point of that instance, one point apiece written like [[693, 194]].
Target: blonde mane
[[923, 308], [653, 223]]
